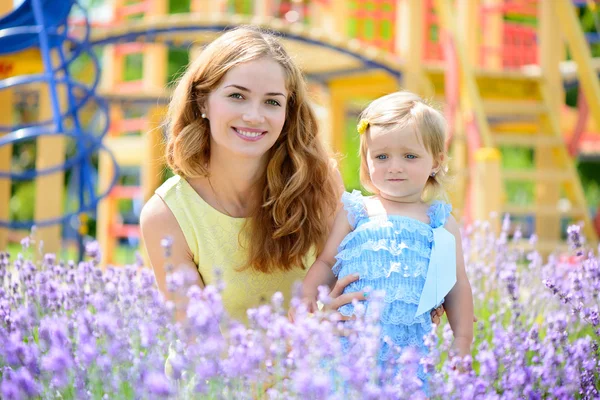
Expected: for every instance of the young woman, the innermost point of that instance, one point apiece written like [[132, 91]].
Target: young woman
[[255, 192]]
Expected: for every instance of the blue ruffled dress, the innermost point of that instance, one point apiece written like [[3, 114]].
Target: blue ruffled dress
[[391, 253]]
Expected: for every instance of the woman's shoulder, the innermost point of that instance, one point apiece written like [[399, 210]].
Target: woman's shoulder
[[157, 222], [169, 186], [156, 217]]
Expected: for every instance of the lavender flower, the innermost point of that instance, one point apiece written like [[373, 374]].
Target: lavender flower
[[107, 333]]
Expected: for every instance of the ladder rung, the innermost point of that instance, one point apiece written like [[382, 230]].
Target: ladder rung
[[513, 108], [129, 86], [531, 209], [125, 192], [536, 175], [131, 9], [526, 140], [127, 150], [129, 48], [129, 125], [152, 96], [125, 230]]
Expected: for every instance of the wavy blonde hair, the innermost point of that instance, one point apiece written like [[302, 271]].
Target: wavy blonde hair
[[299, 193], [400, 110]]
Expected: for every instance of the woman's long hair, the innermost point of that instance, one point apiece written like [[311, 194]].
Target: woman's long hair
[[298, 195]]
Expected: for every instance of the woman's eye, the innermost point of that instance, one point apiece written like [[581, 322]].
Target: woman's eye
[[273, 103], [236, 96], [382, 157], [411, 156]]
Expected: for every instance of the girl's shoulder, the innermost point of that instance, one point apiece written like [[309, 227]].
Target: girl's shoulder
[[438, 213], [354, 205]]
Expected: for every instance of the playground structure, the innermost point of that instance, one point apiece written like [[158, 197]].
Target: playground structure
[[502, 86], [41, 55]]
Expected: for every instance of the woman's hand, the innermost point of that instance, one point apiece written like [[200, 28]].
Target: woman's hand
[[337, 296], [437, 313]]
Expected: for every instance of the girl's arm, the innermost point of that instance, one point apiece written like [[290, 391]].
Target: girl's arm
[[320, 272], [459, 302]]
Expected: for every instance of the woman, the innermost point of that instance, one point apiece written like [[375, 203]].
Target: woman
[[255, 192]]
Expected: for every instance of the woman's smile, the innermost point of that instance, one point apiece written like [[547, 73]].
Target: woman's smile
[[249, 134]]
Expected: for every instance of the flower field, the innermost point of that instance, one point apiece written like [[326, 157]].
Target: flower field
[[79, 331]]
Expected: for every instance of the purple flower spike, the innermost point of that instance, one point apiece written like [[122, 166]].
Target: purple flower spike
[[167, 245], [157, 384]]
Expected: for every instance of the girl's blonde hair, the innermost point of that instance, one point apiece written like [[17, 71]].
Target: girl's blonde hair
[[403, 109], [298, 192]]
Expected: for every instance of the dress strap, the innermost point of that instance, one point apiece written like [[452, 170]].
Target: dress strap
[[441, 272], [438, 213], [354, 206]]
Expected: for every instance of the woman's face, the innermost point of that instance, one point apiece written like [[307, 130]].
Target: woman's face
[[247, 110]]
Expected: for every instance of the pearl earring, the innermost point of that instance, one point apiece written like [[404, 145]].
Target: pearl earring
[[203, 115], [432, 174]]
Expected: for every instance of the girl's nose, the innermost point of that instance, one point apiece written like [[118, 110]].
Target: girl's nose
[[396, 166]]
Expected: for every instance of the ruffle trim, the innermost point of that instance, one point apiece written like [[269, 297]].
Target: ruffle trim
[[396, 313], [438, 213], [390, 246], [399, 224], [395, 290], [354, 206], [382, 269]]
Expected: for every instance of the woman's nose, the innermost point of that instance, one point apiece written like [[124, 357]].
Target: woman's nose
[[253, 115]]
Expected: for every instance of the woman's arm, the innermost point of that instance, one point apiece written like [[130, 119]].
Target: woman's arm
[[158, 222], [459, 302]]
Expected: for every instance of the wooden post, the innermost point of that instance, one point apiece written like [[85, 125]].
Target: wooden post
[[488, 205], [468, 28], [458, 168], [409, 44], [551, 52], [151, 176], [580, 51], [49, 189], [208, 6], [106, 208], [6, 119], [493, 35], [337, 117], [261, 9], [338, 18]]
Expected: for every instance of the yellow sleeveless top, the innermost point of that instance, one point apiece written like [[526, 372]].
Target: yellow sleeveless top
[[213, 240]]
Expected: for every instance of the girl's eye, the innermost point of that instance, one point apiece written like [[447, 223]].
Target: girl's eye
[[382, 157], [411, 156], [273, 102], [236, 96]]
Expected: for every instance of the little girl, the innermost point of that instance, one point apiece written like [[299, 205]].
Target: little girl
[[397, 240]]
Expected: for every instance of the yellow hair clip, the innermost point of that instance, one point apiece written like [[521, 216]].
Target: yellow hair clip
[[362, 126]]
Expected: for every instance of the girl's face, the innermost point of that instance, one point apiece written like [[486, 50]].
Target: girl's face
[[247, 110], [399, 164]]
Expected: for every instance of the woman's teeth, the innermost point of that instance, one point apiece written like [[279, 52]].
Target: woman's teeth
[[248, 134]]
